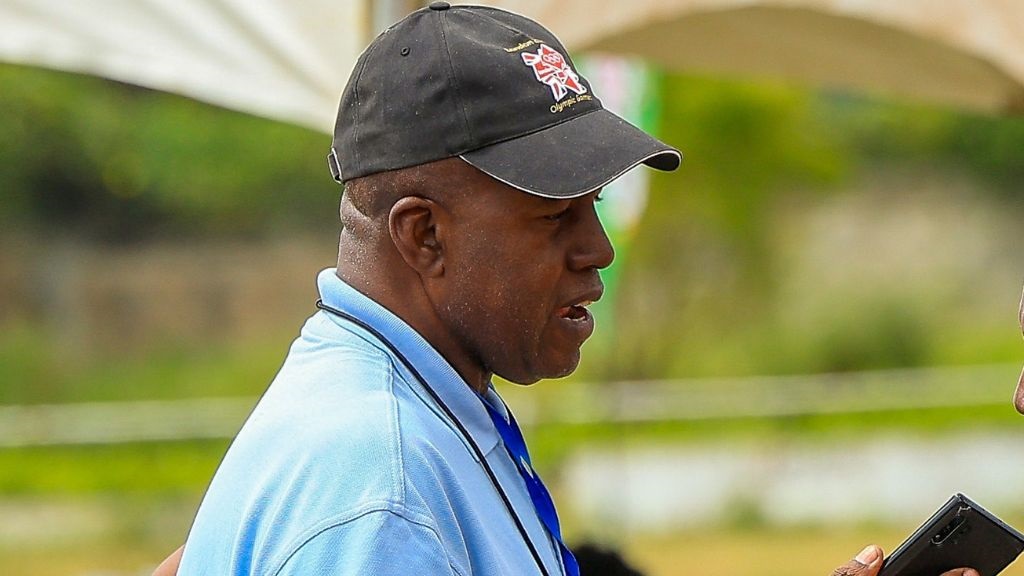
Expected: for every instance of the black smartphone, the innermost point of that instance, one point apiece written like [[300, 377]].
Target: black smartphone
[[960, 534]]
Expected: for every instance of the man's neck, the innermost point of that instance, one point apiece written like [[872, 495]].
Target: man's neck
[[414, 309]]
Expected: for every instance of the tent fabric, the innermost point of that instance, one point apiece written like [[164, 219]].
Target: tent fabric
[[290, 60], [275, 58], [966, 53]]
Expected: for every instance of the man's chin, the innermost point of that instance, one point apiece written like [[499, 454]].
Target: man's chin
[[564, 368], [548, 372]]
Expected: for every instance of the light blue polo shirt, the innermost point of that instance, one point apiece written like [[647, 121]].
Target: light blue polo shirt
[[347, 466]]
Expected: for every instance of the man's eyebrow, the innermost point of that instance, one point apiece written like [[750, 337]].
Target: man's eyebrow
[[551, 203]]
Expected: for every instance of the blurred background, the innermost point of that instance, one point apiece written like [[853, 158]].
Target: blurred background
[[809, 339]]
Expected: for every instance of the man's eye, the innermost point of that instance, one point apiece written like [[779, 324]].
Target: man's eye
[[557, 216]]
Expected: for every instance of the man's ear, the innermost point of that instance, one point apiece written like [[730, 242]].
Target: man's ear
[[413, 224]]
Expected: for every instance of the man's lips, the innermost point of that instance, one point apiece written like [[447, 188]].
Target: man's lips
[[576, 308]]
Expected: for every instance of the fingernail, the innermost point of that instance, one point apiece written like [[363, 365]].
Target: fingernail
[[868, 555]]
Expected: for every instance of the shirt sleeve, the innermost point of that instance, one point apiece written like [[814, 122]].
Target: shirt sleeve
[[381, 542]]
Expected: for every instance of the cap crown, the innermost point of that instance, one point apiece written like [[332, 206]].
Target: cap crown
[[447, 81]]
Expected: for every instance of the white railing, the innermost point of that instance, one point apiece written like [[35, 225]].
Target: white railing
[[776, 396], [116, 422], [622, 402]]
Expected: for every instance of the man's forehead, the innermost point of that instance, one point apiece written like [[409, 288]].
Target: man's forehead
[[480, 188], [489, 189], [528, 198]]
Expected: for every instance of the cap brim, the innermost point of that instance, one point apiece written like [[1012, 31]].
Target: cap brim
[[573, 158]]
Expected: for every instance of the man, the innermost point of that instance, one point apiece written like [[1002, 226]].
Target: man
[[1018, 396], [472, 155]]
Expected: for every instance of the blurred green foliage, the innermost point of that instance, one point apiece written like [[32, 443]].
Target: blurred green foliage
[[115, 161], [700, 292], [987, 146], [97, 159], [164, 468], [185, 468], [36, 369]]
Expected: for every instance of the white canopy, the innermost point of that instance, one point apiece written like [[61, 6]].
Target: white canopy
[[275, 58], [290, 60], [967, 53]]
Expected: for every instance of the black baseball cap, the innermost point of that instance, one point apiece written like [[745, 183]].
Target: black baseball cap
[[492, 87]]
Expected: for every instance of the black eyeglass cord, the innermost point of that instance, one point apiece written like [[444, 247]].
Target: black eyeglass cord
[[444, 407]]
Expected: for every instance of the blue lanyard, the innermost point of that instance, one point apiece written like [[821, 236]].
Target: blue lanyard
[[512, 436]]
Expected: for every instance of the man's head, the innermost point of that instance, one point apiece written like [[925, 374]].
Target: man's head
[[497, 280], [473, 154]]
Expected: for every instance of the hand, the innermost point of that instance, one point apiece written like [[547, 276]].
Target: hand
[[869, 562], [169, 567]]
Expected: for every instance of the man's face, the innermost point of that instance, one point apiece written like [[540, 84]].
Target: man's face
[[519, 272], [1018, 397]]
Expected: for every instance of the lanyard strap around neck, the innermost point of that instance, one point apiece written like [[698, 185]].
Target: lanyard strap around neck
[[515, 444]]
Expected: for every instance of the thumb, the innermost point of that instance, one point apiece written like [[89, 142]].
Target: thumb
[[867, 563]]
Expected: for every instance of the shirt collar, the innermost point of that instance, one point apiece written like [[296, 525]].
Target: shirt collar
[[464, 403]]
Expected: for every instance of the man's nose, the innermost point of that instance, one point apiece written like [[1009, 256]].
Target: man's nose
[[593, 249]]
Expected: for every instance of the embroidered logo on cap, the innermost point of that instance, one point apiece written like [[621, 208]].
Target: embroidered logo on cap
[[551, 68]]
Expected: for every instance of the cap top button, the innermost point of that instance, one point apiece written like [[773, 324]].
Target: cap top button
[[440, 5]]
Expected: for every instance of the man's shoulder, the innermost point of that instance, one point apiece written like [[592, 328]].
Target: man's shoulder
[[341, 398], [320, 450], [342, 439], [325, 345], [334, 391]]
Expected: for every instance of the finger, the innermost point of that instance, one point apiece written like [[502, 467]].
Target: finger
[[867, 563], [962, 572], [169, 567]]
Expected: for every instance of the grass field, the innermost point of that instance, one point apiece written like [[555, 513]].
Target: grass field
[[764, 552], [117, 510]]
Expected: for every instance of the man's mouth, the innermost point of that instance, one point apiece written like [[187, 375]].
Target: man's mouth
[[576, 312], [574, 316]]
